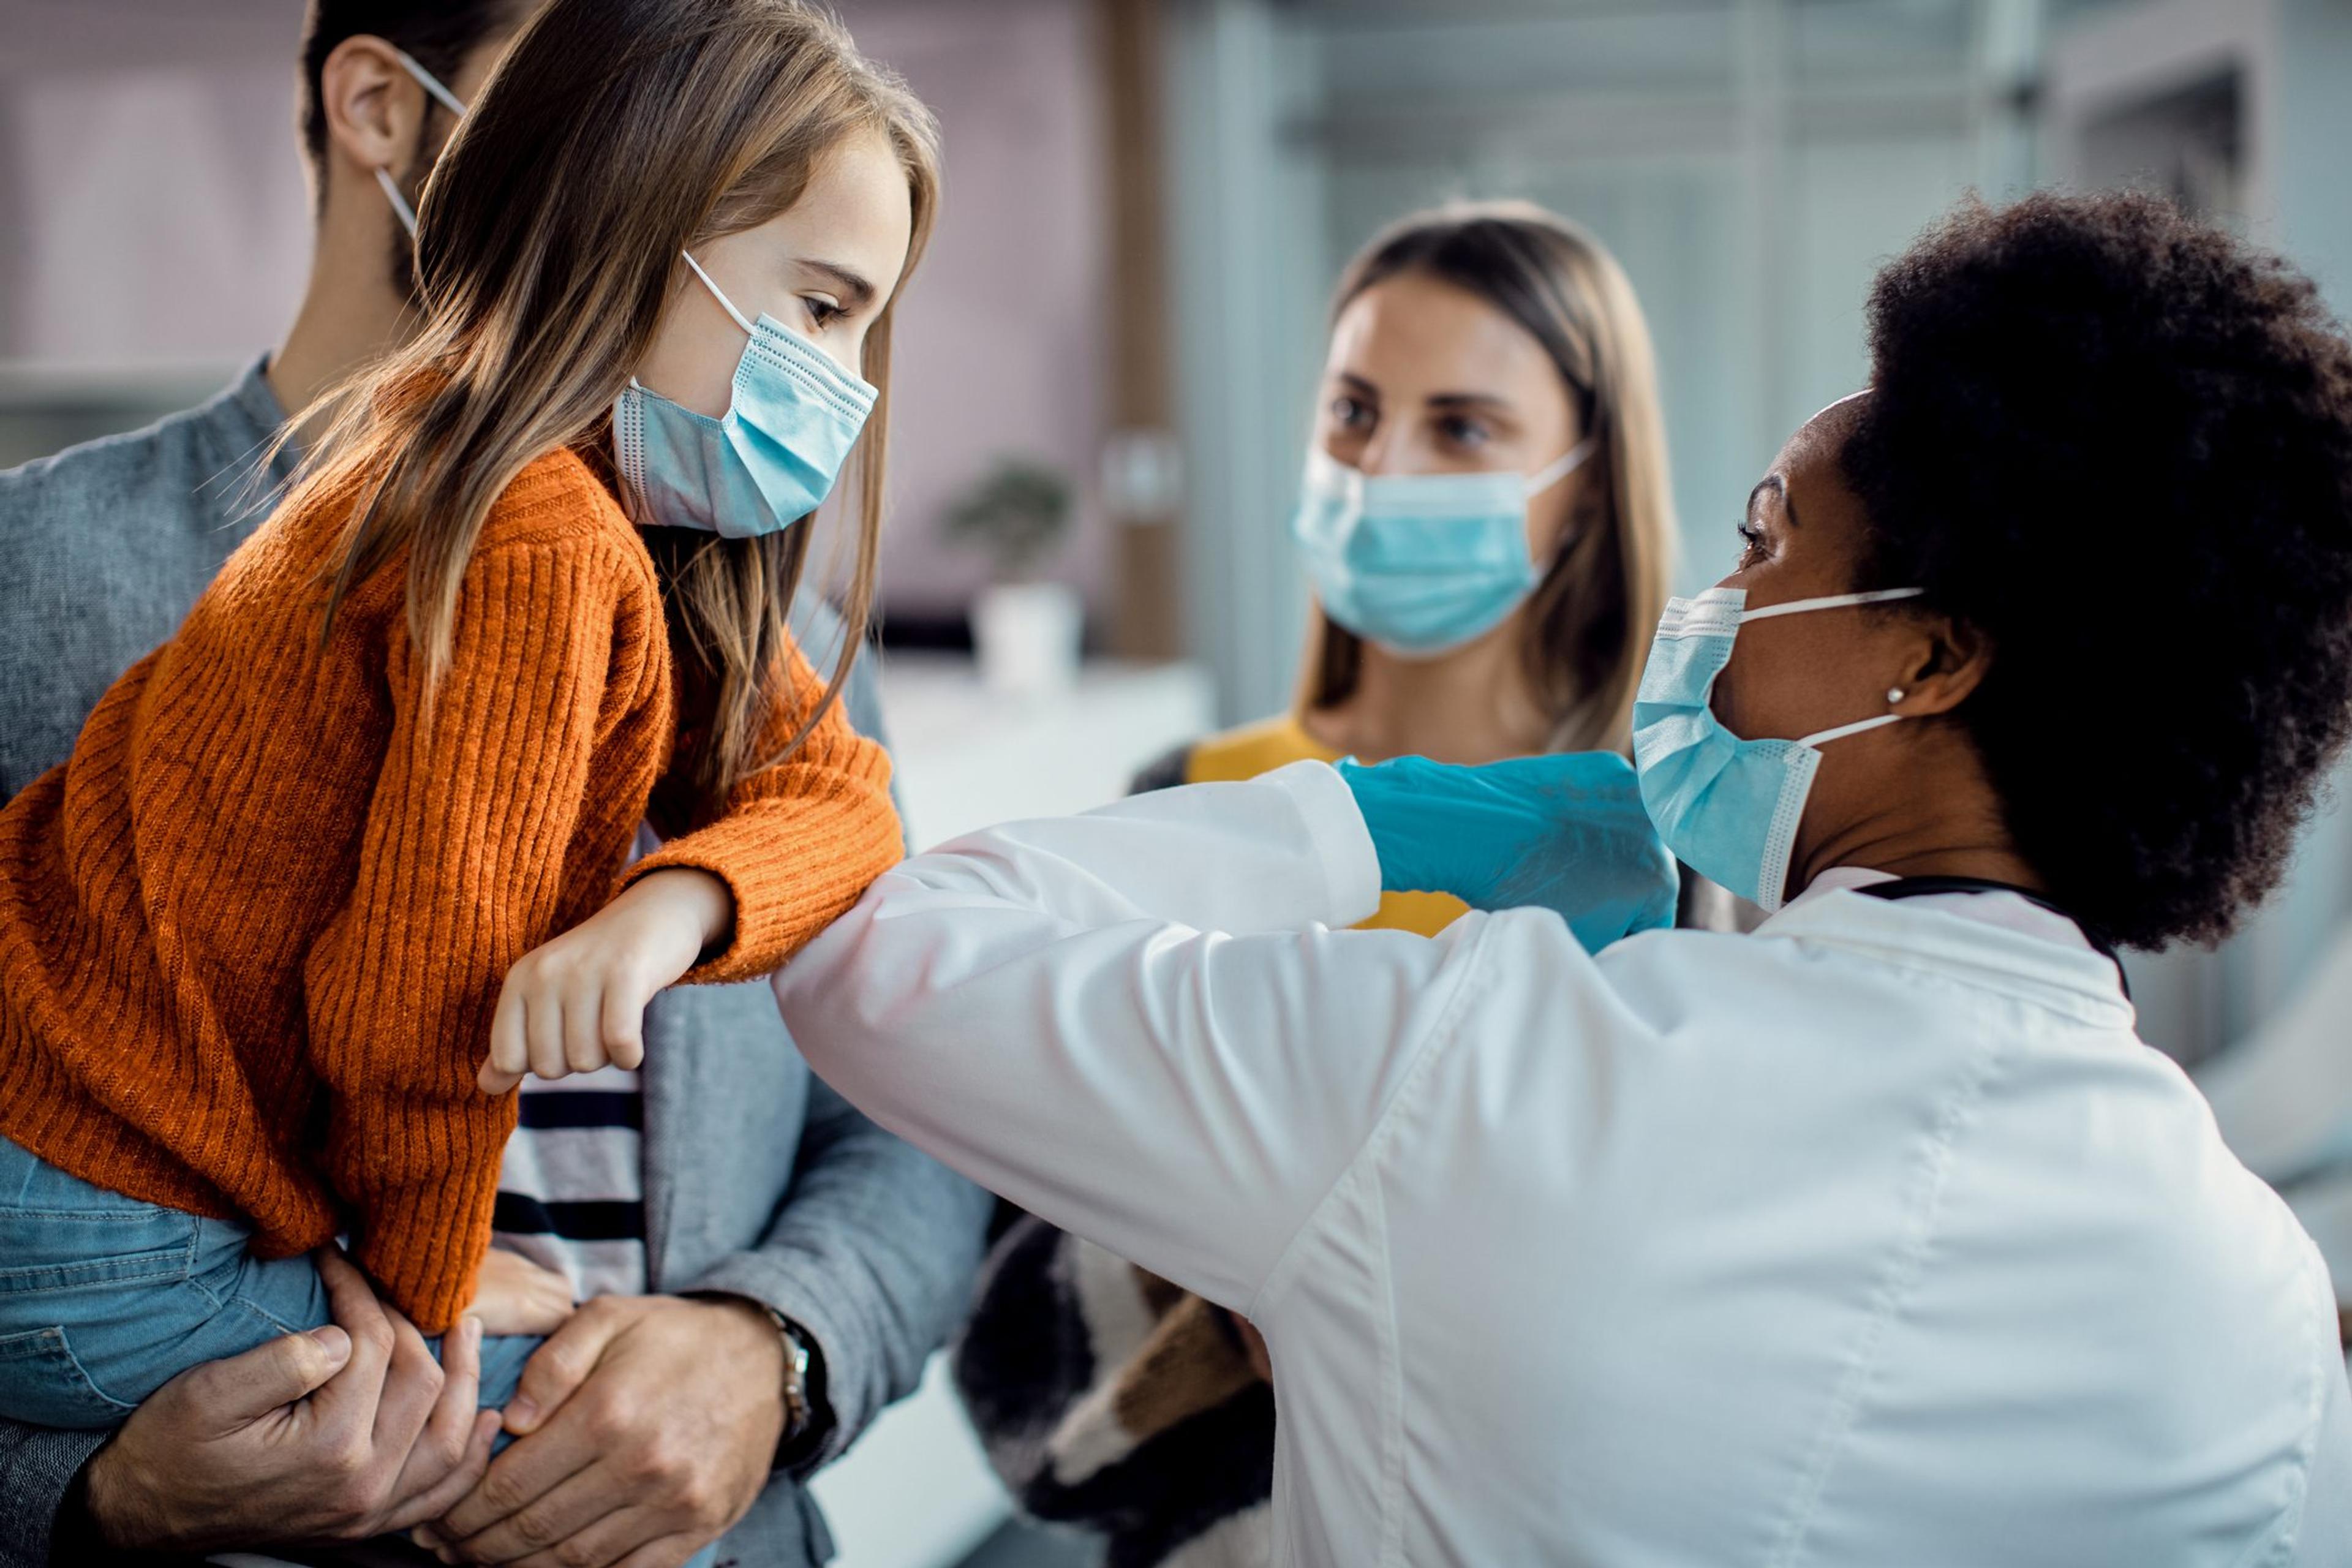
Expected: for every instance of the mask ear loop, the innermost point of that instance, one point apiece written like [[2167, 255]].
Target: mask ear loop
[[1829, 602], [1543, 479], [1822, 737], [446, 99], [400, 207], [431, 83], [1567, 463], [1833, 602], [724, 302]]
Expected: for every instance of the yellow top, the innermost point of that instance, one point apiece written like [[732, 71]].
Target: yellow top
[[1271, 743]]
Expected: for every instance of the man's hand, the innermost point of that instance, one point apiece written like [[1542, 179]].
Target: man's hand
[[647, 1426], [337, 1435]]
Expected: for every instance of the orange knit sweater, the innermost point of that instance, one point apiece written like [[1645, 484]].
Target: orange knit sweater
[[252, 932]]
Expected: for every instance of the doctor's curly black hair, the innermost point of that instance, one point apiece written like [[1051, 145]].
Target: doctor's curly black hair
[[2118, 442]]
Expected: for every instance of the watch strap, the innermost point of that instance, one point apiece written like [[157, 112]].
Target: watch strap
[[799, 1409]]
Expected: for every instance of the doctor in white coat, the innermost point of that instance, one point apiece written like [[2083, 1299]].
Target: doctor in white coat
[[1875, 1238]]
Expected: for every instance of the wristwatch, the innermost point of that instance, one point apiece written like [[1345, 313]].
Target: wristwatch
[[800, 1408]]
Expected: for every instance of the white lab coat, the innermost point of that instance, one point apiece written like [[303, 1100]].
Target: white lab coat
[[1875, 1237]]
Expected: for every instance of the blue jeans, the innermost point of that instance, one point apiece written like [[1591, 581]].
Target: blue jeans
[[104, 1299]]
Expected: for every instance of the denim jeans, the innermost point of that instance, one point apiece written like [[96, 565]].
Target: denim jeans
[[104, 1299]]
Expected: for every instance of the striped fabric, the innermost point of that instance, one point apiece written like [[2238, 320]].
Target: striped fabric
[[571, 1188], [572, 1192]]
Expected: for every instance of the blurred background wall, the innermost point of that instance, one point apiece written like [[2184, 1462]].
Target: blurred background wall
[[1750, 163], [154, 233], [1148, 202]]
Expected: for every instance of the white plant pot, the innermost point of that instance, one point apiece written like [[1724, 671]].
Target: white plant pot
[[1027, 635]]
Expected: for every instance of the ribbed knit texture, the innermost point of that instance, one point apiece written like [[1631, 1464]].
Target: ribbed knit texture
[[252, 934]]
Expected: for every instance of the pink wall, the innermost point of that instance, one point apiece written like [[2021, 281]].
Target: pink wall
[[154, 215], [1001, 347], [166, 218]]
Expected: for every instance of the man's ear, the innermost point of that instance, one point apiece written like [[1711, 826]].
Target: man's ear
[[1949, 659], [375, 108]]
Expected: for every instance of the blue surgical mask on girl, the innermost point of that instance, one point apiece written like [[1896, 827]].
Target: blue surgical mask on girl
[[1420, 564], [770, 461], [448, 100], [1728, 809]]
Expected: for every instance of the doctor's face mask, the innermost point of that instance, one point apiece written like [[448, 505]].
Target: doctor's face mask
[[1728, 809]]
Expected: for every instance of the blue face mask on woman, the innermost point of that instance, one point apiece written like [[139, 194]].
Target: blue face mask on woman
[[1420, 564], [769, 462], [1728, 809]]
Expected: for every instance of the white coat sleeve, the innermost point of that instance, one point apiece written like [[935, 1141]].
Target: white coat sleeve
[[1138, 1023]]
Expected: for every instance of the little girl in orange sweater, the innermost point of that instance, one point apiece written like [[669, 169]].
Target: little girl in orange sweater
[[330, 870]]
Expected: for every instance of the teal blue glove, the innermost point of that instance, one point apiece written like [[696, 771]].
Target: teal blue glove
[[1565, 831]]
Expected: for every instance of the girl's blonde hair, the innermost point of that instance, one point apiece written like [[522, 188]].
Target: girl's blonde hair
[[1590, 619], [614, 134]]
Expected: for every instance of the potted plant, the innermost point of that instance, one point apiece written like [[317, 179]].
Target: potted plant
[[1025, 630]]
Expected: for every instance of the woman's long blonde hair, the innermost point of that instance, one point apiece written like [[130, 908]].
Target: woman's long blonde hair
[[1590, 619], [614, 134]]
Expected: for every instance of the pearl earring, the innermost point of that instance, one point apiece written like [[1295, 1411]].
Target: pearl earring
[[1893, 695]]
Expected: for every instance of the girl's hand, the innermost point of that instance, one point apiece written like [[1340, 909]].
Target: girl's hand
[[512, 1295], [578, 1003]]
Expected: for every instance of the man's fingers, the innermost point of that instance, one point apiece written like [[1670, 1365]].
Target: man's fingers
[[624, 1025], [588, 1515], [236, 1392], [557, 1369], [412, 1385], [419, 1513], [444, 1447], [352, 1394], [515, 1481], [596, 1544], [519, 1477], [349, 1295], [461, 1371]]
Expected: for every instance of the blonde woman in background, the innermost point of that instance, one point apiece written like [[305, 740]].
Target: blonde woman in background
[[1486, 522]]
